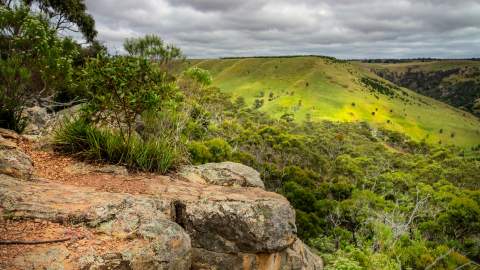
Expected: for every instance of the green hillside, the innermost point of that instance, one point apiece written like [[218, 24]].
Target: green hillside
[[455, 82], [325, 88]]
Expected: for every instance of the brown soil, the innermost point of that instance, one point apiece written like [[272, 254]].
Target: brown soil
[[54, 167]]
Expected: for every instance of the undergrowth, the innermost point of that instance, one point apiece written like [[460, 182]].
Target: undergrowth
[[82, 139]]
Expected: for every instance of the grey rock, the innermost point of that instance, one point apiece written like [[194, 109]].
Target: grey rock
[[13, 161], [38, 118], [236, 226], [224, 174]]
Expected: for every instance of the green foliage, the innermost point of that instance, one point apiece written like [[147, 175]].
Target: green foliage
[[213, 150], [79, 137], [63, 13], [122, 88], [153, 47], [13, 93], [36, 63], [199, 75], [354, 187], [342, 263]]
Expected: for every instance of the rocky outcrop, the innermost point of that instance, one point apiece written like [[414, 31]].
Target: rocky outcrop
[[224, 174], [141, 235], [172, 225], [298, 256], [13, 162]]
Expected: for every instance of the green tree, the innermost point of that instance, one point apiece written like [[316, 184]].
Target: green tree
[[68, 15], [34, 58], [154, 48]]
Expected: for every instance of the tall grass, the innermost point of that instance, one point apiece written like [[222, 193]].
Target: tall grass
[[80, 138]]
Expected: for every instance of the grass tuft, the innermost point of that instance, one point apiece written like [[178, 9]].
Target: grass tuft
[[80, 138]]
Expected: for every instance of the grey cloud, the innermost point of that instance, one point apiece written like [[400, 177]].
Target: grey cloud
[[341, 28]]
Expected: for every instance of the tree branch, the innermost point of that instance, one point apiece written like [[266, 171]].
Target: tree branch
[[33, 242]]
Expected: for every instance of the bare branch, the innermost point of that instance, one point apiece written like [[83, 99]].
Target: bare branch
[[33, 242]]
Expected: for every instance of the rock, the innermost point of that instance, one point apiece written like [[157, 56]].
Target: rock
[[13, 161], [224, 174], [234, 226], [41, 123], [38, 119], [296, 257], [140, 234], [84, 168], [9, 134]]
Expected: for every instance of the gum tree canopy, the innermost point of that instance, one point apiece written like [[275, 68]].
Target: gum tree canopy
[[68, 15]]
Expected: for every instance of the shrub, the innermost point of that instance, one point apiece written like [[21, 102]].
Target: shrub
[[122, 88], [34, 63], [199, 153], [78, 137], [219, 149], [214, 150], [199, 75], [13, 92]]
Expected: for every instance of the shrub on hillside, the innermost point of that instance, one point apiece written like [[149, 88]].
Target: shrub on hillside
[[213, 150]]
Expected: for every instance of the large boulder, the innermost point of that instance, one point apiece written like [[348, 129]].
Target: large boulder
[[13, 161], [137, 228], [236, 227], [224, 174]]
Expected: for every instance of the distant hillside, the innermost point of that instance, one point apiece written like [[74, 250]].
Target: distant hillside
[[456, 82], [316, 88]]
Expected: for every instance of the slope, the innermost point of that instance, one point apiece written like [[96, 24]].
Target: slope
[[318, 88], [456, 82]]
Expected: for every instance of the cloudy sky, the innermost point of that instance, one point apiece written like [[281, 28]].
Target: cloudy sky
[[340, 28]]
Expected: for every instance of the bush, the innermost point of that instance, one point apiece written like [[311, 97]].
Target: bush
[[214, 150], [80, 138], [13, 92], [122, 88], [34, 63]]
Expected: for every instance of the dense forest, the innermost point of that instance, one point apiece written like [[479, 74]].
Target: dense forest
[[365, 198]]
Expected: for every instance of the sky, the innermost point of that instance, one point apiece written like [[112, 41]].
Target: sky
[[344, 29]]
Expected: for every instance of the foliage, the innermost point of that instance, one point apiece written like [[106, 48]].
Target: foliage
[[81, 138], [199, 75], [369, 198], [67, 15], [13, 92], [36, 63], [153, 47], [122, 88]]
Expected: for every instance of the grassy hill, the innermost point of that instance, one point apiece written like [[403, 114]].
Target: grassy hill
[[456, 82], [325, 88]]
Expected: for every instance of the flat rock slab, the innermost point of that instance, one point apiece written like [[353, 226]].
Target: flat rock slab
[[146, 237], [223, 174]]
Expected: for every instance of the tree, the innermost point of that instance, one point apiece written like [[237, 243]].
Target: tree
[[68, 15], [153, 47], [36, 63]]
